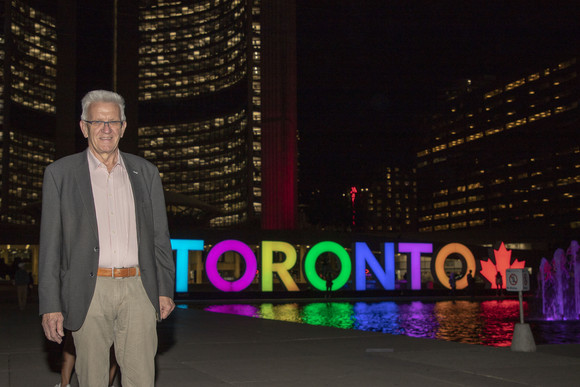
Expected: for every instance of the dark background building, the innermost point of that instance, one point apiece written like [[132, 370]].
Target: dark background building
[[504, 154], [389, 204]]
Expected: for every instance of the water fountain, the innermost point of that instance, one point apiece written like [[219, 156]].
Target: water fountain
[[559, 284]]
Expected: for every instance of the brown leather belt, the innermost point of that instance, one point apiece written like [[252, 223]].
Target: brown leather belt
[[118, 272]]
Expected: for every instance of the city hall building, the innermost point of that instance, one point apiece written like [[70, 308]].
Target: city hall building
[[210, 90]]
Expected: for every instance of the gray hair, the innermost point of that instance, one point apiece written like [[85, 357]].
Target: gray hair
[[102, 96]]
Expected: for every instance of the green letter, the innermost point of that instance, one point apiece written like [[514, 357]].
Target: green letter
[[310, 265]]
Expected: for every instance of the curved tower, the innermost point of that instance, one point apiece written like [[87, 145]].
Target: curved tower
[[199, 96], [217, 105]]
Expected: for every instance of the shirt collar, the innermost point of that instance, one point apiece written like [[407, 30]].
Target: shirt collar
[[95, 163]]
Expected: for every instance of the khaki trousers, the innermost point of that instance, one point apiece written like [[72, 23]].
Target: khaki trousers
[[121, 314]]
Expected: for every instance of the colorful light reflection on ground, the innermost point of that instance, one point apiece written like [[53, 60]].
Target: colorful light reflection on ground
[[487, 322]]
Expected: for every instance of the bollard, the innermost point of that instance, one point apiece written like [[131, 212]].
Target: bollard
[[523, 340]]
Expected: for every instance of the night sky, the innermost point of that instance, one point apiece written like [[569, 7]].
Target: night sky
[[367, 69]]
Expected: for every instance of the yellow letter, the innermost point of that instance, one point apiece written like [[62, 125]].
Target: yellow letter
[[268, 265]]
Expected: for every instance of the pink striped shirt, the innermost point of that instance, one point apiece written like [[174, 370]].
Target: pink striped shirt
[[115, 208]]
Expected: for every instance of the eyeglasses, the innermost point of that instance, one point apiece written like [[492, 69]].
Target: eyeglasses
[[114, 125]]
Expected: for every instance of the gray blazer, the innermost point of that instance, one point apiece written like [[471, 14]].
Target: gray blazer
[[69, 241]]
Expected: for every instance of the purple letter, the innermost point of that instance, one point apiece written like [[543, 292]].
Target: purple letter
[[214, 276], [414, 261]]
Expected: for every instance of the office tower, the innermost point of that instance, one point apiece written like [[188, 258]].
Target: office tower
[[504, 154], [217, 106], [27, 110]]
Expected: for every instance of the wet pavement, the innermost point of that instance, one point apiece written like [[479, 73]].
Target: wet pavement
[[200, 348]]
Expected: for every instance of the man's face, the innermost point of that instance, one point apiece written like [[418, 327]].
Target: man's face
[[103, 141]]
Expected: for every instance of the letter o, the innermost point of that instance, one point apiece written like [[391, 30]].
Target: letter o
[[445, 252], [214, 276], [312, 257]]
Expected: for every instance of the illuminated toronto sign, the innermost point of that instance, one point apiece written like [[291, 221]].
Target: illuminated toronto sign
[[364, 259]]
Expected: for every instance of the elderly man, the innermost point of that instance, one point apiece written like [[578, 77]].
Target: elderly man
[[106, 268]]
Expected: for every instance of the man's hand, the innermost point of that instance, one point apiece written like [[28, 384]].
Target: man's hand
[[52, 325], [166, 305]]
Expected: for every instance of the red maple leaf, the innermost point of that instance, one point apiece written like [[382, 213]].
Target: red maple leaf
[[503, 256]]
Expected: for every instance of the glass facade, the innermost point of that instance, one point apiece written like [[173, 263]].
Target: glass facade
[[32, 58], [28, 156], [256, 103], [191, 48], [205, 159], [504, 153], [28, 103], [194, 55]]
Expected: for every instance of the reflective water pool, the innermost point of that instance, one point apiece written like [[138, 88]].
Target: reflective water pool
[[487, 322]]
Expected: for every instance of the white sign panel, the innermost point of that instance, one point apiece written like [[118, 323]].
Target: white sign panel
[[517, 280]]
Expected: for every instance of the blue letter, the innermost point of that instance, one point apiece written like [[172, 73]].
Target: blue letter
[[365, 256], [183, 247]]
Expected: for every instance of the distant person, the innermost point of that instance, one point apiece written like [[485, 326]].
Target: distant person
[[22, 281], [328, 285], [452, 283], [499, 283], [4, 269], [470, 284]]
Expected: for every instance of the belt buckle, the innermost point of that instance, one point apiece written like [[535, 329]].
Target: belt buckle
[[113, 272]]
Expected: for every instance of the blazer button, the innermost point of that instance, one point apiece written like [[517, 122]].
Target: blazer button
[[91, 274], [96, 249]]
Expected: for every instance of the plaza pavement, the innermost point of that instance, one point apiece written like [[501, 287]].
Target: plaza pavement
[[198, 348]]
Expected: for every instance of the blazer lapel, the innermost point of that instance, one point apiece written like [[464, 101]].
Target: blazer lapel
[[136, 179], [83, 179], [137, 185]]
